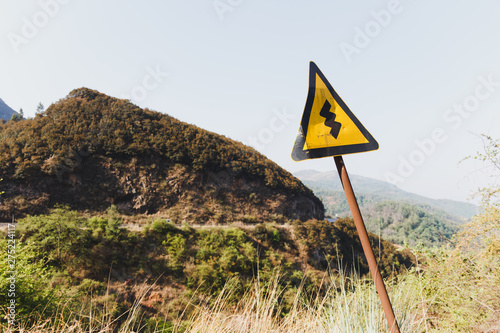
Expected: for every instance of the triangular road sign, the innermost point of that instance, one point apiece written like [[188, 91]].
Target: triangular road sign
[[328, 127]]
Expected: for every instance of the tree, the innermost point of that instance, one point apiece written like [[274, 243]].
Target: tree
[[40, 108], [17, 116], [483, 232], [490, 195]]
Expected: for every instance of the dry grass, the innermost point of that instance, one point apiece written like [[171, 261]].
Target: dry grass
[[349, 305]]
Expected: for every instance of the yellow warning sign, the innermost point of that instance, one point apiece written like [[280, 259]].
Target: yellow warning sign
[[328, 127]]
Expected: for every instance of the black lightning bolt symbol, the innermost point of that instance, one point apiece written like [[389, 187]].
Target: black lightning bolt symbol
[[330, 119]]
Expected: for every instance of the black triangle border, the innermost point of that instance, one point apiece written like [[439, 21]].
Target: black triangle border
[[298, 154]]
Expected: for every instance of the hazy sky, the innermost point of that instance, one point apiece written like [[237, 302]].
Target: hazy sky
[[422, 76]]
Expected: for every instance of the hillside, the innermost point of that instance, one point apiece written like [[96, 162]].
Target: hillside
[[397, 215], [89, 151], [6, 111]]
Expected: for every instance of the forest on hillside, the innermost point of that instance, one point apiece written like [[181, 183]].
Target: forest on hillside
[[399, 222], [87, 122]]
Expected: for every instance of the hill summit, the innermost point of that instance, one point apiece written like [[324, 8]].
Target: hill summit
[[89, 151], [6, 111]]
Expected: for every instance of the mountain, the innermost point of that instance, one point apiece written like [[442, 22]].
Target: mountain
[[394, 214], [383, 191], [6, 111], [89, 151]]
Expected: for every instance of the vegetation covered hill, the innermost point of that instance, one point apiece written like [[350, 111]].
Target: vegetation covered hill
[[90, 151]]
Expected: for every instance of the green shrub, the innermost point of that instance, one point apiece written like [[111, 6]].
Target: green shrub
[[56, 237], [222, 254], [26, 279], [268, 234]]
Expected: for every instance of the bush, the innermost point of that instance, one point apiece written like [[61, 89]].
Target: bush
[[465, 280], [268, 234], [56, 238], [27, 284], [222, 254]]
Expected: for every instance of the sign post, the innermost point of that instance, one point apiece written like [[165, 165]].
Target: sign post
[[365, 243], [329, 128]]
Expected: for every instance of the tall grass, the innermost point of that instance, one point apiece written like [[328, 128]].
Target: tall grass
[[455, 292], [350, 304], [90, 318]]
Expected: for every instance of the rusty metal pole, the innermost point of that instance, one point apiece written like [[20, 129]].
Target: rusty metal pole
[[365, 242]]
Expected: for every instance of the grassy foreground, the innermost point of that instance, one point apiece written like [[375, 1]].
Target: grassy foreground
[[350, 305], [455, 288]]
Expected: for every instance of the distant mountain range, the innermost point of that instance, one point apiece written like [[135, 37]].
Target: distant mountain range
[[399, 216], [6, 111], [384, 191]]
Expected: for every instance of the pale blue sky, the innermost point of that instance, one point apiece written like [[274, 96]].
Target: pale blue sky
[[240, 68]]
